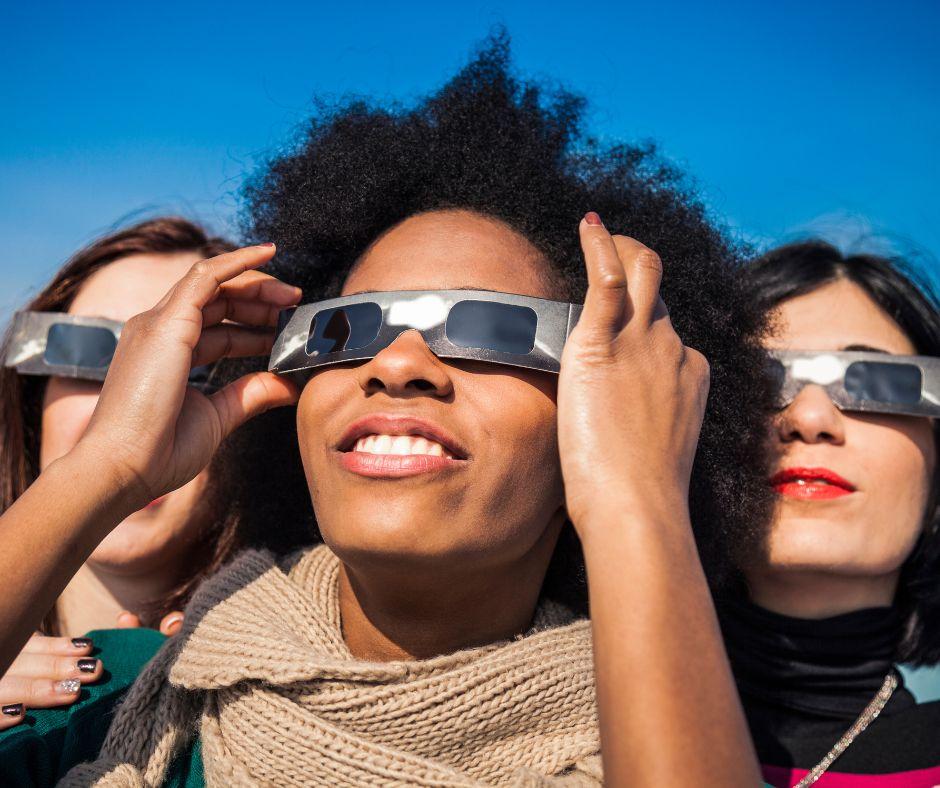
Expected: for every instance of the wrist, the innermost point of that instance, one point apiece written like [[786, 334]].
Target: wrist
[[639, 512], [113, 489]]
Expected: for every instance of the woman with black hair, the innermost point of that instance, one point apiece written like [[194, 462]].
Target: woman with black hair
[[461, 486], [847, 581]]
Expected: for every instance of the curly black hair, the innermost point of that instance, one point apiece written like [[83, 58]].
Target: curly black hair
[[804, 266], [490, 143]]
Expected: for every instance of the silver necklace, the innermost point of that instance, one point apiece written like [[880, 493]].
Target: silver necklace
[[871, 712]]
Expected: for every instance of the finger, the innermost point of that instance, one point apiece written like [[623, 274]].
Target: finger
[[39, 693], [127, 620], [259, 286], [47, 666], [42, 644], [13, 714], [171, 623], [231, 341], [644, 272], [606, 304], [202, 281], [251, 395], [248, 313]]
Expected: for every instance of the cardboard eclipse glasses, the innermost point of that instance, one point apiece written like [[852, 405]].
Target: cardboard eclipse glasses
[[69, 346], [861, 381], [476, 325]]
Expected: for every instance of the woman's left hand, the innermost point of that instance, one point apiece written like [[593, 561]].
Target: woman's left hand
[[631, 396]]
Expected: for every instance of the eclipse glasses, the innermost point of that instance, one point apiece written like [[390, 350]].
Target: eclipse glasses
[[862, 381], [69, 346], [478, 325]]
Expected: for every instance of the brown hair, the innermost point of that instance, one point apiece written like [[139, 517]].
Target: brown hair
[[21, 396]]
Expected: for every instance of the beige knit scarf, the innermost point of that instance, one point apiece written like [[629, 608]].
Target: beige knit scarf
[[261, 673]]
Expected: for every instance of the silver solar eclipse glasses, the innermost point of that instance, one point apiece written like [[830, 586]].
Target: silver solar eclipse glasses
[[70, 346], [478, 325], [861, 381]]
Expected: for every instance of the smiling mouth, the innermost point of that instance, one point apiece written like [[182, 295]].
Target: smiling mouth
[[811, 484], [392, 447]]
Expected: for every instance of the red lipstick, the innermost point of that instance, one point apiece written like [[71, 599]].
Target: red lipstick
[[811, 484]]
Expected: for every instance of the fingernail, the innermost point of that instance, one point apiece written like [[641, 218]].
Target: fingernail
[[593, 219], [13, 709], [81, 642], [87, 665], [68, 686], [267, 245]]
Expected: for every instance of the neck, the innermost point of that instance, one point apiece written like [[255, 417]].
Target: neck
[[95, 597], [812, 594], [421, 614]]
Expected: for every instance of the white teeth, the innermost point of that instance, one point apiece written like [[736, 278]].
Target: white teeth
[[399, 445]]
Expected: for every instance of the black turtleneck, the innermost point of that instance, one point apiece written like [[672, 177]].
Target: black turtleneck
[[803, 682]]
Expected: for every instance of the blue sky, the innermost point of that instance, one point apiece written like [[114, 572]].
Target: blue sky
[[792, 116]]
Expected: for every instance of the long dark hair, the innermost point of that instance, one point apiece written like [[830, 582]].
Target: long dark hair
[[21, 396], [800, 268]]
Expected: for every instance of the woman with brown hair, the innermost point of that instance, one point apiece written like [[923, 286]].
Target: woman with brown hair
[[150, 564]]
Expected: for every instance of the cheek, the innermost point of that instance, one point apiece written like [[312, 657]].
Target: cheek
[[899, 474], [322, 397], [520, 420], [65, 415]]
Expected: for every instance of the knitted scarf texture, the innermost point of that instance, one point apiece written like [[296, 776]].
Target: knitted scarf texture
[[260, 672]]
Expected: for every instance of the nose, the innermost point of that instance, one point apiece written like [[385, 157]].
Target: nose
[[811, 418], [407, 367]]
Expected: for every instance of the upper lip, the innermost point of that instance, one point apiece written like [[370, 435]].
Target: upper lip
[[391, 424], [809, 474]]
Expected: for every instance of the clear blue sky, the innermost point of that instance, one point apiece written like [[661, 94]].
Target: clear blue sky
[[791, 115]]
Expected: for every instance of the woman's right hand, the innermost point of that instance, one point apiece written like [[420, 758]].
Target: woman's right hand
[[48, 672], [150, 429]]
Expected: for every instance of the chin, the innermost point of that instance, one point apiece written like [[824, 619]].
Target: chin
[[142, 542], [849, 549]]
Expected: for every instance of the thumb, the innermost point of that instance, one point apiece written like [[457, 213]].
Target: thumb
[[250, 396], [127, 620]]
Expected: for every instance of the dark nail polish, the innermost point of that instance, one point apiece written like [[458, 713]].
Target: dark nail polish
[[87, 665], [592, 218], [81, 642], [13, 709]]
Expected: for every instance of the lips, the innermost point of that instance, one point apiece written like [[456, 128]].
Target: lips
[[390, 446], [811, 484]]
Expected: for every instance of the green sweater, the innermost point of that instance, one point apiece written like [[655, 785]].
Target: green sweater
[[51, 741]]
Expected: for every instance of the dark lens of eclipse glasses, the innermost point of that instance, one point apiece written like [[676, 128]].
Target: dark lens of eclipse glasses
[[489, 325], [79, 346], [344, 328], [895, 384]]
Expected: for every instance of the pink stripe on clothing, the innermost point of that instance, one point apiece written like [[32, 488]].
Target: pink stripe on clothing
[[786, 777]]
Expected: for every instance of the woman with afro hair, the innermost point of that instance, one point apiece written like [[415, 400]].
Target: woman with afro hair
[[468, 507]]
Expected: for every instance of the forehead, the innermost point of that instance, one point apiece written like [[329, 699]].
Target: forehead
[[130, 285], [446, 250], [834, 317]]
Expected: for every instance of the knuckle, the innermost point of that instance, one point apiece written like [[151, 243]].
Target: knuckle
[[201, 269], [647, 258]]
